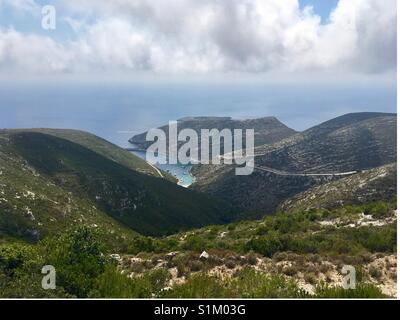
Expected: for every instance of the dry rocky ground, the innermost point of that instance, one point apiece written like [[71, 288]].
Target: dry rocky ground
[[306, 270]]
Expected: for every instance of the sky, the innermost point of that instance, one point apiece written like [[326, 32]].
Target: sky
[[129, 65], [185, 39], [322, 8]]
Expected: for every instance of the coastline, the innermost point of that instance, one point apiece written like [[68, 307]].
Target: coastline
[[182, 173]]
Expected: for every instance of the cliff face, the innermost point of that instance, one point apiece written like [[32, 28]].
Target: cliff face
[[351, 142]]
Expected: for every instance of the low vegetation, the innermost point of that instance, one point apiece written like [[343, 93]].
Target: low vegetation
[[52, 179], [297, 255]]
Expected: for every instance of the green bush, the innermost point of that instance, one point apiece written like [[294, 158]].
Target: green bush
[[362, 290], [379, 209], [15, 257], [20, 273], [251, 258], [200, 286], [78, 258], [112, 284], [195, 243], [142, 244], [157, 279], [195, 265], [250, 283], [310, 277], [266, 245], [376, 239], [375, 272]]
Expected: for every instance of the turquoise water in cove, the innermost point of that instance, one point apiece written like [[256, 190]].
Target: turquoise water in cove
[[181, 172]]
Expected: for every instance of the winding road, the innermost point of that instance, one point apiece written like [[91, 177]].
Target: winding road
[[303, 174], [272, 170], [299, 174]]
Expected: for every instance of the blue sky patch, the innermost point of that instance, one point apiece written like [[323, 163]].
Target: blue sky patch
[[321, 7]]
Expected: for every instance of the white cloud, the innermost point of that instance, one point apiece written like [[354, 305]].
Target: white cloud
[[31, 54], [23, 6], [211, 36]]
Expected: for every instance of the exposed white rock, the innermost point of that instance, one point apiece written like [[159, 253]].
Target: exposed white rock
[[204, 255], [172, 254], [115, 256]]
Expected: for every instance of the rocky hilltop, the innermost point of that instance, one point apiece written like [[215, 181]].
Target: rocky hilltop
[[353, 142], [267, 130], [378, 184]]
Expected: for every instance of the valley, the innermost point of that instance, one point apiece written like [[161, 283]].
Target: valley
[[108, 179], [318, 200], [178, 149]]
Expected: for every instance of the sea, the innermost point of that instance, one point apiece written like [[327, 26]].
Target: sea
[[117, 111]]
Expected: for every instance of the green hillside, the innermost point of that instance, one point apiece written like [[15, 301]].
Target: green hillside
[[298, 255], [48, 182], [113, 228], [97, 144], [352, 142]]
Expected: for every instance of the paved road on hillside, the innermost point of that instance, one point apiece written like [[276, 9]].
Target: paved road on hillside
[[299, 174], [303, 174]]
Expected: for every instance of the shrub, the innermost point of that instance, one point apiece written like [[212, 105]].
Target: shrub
[[310, 278], [247, 284], [20, 273], [157, 279], [379, 209], [280, 256], [230, 264], [113, 284], [181, 270], [266, 245], [362, 290], [361, 276], [195, 265], [199, 286], [78, 259], [376, 239], [141, 244], [375, 272], [137, 267], [250, 283], [289, 270], [14, 257], [251, 258], [195, 243]]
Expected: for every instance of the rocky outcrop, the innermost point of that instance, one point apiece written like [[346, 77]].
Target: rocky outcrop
[[353, 142], [372, 185], [267, 130]]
